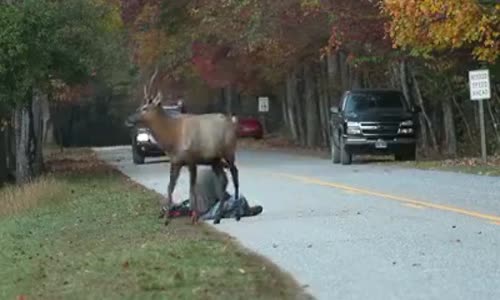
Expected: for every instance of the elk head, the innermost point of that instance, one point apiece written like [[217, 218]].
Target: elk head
[[150, 106]]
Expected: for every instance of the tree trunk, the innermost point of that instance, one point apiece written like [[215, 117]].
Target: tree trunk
[[494, 121], [334, 79], [37, 130], [300, 107], [355, 78], [24, 171], [229, 99], [404, 82], [402, 78], [395, 77], [48, 127], [424, 114], [344, 72], [28, 138], [322, 88], [460, 112], [284, 108], [3, 155], [291, 95], [11, 148], [311, 107], [449, 127]]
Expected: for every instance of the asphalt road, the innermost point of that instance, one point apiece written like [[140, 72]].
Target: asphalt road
[[363, 231]]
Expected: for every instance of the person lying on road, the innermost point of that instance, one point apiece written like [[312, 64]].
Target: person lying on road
[[207, 202]]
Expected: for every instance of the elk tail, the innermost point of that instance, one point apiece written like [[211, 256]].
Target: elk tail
[[234, 119]]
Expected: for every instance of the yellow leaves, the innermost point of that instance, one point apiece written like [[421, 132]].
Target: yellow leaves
[[150, 46], [149, 40], [428, 25], [112, 19]]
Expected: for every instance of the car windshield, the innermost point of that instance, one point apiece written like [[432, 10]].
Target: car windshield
[[171, 110], [358, 102]]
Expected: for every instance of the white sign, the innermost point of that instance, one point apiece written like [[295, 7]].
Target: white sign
[[263, 104], [479, 82]]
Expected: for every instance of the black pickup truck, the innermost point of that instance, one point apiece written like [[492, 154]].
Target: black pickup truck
[[373, 121]]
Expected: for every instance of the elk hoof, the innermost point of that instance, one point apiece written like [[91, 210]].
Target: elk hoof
[[167, 221], [163, 212], [217, 221]]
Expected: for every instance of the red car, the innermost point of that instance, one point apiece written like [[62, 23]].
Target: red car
[[250, 127]]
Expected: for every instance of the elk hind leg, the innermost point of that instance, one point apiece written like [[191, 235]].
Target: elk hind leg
[[218, 169], [236, 183], [192, 194]]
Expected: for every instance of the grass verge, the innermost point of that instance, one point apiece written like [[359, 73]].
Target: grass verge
[[87, 232]]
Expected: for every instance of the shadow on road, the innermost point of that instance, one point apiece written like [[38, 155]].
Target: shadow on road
[[371, 160]]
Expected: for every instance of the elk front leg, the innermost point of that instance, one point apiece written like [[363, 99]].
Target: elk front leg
[[236, 183], [175, 170], [192, 194]]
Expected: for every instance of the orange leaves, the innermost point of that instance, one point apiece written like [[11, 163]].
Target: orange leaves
[[150, 41], [426, 26]]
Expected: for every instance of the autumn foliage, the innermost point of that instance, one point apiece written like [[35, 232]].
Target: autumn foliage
[[425, 27]]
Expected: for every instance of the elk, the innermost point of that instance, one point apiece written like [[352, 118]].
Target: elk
[[191, 140]]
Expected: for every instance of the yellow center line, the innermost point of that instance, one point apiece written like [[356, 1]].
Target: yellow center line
[[492, 218], [413, 206]]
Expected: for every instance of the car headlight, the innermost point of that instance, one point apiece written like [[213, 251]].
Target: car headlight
[[142, 137], [353, 128], [405, 130], [407, 123]]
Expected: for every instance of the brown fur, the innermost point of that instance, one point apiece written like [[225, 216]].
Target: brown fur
[[191, 140]]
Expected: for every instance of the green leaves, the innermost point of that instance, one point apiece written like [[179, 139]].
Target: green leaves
[[43, 39]]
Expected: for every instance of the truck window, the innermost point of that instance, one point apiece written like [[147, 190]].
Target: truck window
[[358, 102]]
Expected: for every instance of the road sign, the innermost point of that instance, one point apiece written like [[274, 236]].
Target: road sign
[[479, 83], [263, 104]]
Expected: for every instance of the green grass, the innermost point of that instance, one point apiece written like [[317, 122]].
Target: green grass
[[101, 239]]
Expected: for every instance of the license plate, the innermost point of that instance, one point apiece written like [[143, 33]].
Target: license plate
[[380, 144]]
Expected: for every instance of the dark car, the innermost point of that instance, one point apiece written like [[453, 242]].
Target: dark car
[[250, 127], [143, 142], [373, 121]]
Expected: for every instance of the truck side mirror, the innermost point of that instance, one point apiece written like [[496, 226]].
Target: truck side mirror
[[334, 110]]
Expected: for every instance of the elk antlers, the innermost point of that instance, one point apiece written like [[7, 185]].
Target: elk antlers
[[147, 89]]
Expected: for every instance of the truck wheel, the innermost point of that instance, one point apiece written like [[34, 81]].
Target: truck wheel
[[335, 152], [345, 156], [137, 157], [408, 154]]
